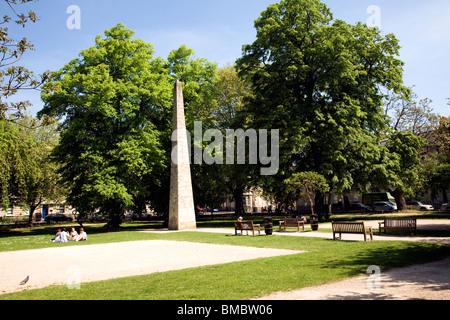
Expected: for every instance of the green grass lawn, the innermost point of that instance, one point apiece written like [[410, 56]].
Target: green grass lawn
[[326, 261]]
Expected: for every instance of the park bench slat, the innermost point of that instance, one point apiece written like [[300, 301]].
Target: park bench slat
[[246, 226], [351, 228], [398, 224], [292, 222]]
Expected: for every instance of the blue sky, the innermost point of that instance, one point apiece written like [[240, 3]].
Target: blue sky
[[216, 30]]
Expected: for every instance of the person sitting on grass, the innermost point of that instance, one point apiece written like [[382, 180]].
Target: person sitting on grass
[[82, 236], [73, 235], [64, 236], [57, 236]]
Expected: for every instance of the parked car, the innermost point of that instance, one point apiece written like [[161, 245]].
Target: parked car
[[359, 207], [140, 216], [99, 217], [417, 205], [445, 206], [384, 206], [57, 217], [337, 208]]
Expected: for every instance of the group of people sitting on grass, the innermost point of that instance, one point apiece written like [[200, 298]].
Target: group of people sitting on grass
[[64, 236]]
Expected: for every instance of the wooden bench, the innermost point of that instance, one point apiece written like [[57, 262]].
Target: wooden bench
[[292, 222], [351, 228], [246, 226], [398, 224]]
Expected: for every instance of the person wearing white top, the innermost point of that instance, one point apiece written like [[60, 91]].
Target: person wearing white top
[[64, 236], [82, 236], [73, 235]]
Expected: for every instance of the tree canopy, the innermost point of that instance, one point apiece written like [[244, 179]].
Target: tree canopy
[[115, 107], [27, 174], [108, 101], [318, 78]]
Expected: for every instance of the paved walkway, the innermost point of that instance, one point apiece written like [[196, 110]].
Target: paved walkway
[[442, 225]]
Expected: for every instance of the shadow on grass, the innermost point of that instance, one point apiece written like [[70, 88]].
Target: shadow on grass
[[426, 269], [389, 256], [39, 237], [98, 228]]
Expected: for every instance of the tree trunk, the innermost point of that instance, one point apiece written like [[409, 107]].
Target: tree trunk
[[330, 205], [311, 201], [79, 221], [238, 195], [33, 207], [320, 209], [31, 215], [399, 197], [116, 217]]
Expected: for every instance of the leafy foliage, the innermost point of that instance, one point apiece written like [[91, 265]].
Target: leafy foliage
[[13, 77], [308, 184], [318, 79], [115, 107], [27, 176], [108, 100]]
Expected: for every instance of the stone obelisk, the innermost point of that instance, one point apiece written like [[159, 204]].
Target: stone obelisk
[[181, 208]]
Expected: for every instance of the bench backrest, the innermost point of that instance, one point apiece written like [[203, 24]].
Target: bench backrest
[[400, 223], [349, 227], [244, 225], [291, 221]]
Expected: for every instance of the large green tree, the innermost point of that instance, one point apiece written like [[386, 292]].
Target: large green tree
[[109, 100], [436, 173], [27, 174], [399, 170], [412, 144], [318, 80], [233, 93], [306, 185], [115, 106]]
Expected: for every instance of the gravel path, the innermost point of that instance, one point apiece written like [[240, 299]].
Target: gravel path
[[74, 265]]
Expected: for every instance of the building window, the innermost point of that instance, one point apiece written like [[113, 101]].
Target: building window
[[9, 211]]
